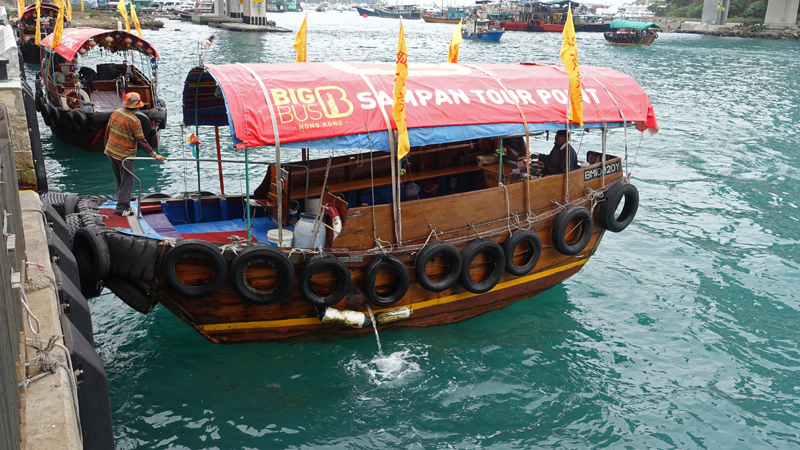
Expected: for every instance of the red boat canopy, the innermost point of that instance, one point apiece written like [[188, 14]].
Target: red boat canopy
[[73, 39], [338, 105], [30, 11]]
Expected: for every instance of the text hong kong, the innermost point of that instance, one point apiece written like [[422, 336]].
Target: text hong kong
[[332, 102]]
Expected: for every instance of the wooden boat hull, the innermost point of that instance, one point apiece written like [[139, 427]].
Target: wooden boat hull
[[431, 19], [223, 317], [617, 39]]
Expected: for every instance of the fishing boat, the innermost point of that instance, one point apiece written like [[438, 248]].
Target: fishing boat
[[482, 29], [76, 114], [548, 17], [26, 30], [462, 225], [398, 11], [631, 32], [451, 15], [367, 11]]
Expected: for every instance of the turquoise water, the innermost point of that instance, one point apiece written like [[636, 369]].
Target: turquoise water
[[681, 332]]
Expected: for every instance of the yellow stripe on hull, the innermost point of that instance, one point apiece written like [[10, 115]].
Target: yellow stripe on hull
[[422, 305]]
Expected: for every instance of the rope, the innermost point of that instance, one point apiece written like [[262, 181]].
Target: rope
[[634, 157], [594, 197]]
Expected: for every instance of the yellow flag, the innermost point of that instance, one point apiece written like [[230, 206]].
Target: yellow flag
[[452, 54], [135, 20], [68, 4], [399, 100], [300, 44], [20, 7], [121, 8], [38, 38], [59, 25], [81, 5], [569, 54]]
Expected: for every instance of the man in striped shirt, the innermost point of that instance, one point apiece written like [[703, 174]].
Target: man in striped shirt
[[123, 137]]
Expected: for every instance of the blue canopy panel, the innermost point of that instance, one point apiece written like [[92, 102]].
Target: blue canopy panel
[[212, 110]]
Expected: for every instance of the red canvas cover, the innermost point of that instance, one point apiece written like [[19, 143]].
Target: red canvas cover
[[73, 39], [30, 11], [323, 100]]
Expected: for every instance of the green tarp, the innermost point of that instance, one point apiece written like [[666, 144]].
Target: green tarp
[[622, 23]]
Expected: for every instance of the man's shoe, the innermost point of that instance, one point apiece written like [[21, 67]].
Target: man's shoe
[[128, 212]]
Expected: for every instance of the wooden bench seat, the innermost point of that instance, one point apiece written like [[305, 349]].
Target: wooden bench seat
[[358, 185]]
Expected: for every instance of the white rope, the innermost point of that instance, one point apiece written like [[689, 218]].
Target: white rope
[[634, 157], [594, 197], [234, 245], [24, 300]]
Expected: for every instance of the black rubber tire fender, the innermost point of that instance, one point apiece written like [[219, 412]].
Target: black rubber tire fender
[[47, 114], [73, 225], [154, 195], [78, 120], [403, 280], [56, 200], [428, 253], [132, 257], [475, 248], [147, 126], [257, 255], [569, 214], [70, 205], [187, 247], [39, 102], [314, 265], [131, 294], [608, 207], [510, 247], [91, 254]]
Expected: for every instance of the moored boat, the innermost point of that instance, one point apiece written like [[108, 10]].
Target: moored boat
[[367, 11], [482, 29], [631, 32], [77, 114], [399, 11], [26, 30], [451, 15], [460, 226]]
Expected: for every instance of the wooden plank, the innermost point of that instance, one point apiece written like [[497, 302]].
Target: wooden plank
[[135, 226]]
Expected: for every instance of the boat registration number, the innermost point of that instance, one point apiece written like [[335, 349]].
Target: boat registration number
[[591, 174]]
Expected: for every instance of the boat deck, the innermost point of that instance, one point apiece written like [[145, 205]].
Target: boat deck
[[105, 101]]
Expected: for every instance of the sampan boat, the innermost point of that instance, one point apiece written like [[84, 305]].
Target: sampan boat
[[454, 229], [631, 32], [78, 115], [26, 30]]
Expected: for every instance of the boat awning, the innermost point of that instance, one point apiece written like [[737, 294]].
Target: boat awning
[[632, 24], [72, 39], [30, 11], [346, 105]]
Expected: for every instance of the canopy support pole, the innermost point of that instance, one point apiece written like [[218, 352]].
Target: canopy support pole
[[197, 147], [605, 135], [398, 229], [277, 159], [247, 195], [527, 138], [219, 162]]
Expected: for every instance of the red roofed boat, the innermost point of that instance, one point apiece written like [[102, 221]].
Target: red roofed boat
[[26, 30], [78, 115], [461, 226]]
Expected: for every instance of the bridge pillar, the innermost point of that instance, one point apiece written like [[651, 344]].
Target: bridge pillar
[[781, 13], [712, 14], [255, 12], [235, 8]]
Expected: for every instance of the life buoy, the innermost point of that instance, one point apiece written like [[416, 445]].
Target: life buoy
[[607, 218], [429, 253], [396, 291], [318, 263], [498, 263], [194, 285], [91, 254], [530, 256], [561, 228], [253, 272], [69, 98], [131, 294], [336, 221]]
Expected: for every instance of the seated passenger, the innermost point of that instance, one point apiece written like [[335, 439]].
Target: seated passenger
[[554, 163], [88, 77]]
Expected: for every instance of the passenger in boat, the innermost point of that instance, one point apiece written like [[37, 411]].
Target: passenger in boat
[[123, 136], [88, 77], [554, 163]]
